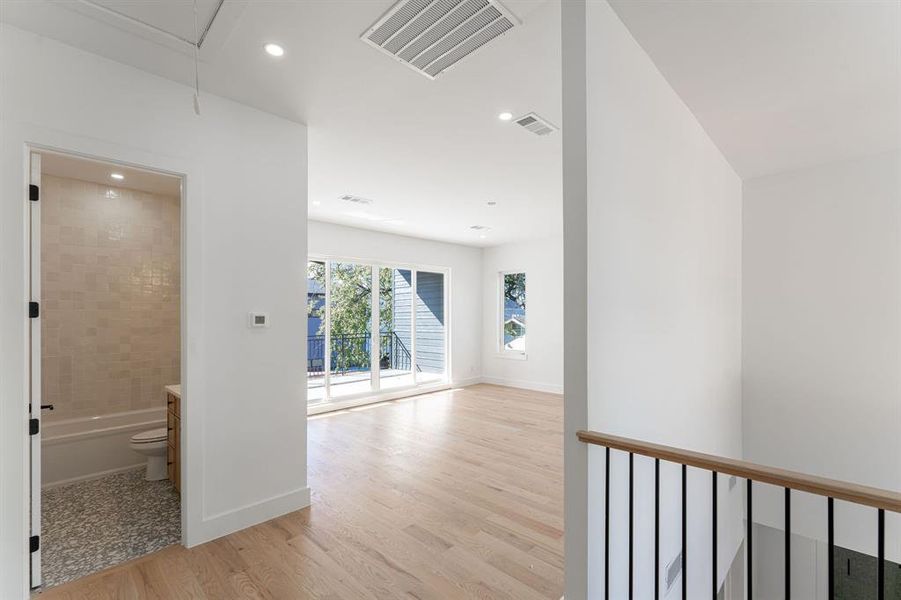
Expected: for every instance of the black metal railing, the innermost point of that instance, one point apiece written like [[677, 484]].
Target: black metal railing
[[829, 489], [353, 352]]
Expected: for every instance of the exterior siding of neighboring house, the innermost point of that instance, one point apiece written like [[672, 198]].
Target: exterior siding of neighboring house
[[430, 317], [514, 322]]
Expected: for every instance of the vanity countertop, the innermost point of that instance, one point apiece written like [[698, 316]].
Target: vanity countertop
[[175, 390]]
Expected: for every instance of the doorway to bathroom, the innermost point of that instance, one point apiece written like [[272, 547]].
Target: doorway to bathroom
[[106, 402]]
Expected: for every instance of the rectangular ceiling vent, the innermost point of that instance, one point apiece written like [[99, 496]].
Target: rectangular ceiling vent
[[356, 199], [431, 36], [479, 227], [536, 124]]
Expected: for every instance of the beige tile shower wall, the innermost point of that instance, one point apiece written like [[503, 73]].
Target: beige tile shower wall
[[110, 278]]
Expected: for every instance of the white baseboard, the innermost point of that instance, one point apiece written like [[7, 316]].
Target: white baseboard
[[90, 476], [525, 385], [230, 521], [465, 382]]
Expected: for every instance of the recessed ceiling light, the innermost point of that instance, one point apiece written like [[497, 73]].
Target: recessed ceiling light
[[274, 49], [117, 176], [505, 116], [316, 202], [483, 236]]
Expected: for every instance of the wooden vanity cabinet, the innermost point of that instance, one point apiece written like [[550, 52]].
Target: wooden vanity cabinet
[[173, 419]]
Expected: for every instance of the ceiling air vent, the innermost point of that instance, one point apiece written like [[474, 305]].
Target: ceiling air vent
[[535, 124], [479, 227], [432, 36], [356, 199]]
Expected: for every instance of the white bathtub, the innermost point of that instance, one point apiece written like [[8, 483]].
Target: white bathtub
[[90, 447]]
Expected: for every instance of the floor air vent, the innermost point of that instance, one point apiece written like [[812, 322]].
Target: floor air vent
[[535, 124], [431, 36]]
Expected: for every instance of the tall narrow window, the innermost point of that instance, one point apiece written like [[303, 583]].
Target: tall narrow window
[[512, 324]]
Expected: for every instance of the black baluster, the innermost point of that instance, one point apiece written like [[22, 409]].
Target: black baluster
[[749, 547], [656, 529], [607, 526], [631, 522], [788, 544], [684, 534], [713, 554], [880, 569], [831, 558]]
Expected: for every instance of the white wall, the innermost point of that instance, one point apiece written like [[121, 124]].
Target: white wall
[[822, 337], [245, 249], [664, 307], [542, 262], [464, 262]]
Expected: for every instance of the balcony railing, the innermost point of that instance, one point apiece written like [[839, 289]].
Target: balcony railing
[[352, 352], [829, 489]]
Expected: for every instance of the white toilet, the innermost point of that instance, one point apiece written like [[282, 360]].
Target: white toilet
[[152, 444]]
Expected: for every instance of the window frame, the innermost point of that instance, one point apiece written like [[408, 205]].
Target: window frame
[[376, 394], [502, 350]]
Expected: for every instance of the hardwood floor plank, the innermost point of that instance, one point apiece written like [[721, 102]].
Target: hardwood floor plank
[[455, 494]]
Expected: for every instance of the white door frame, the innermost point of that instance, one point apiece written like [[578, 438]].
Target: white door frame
[[191, 441], [34, 368]]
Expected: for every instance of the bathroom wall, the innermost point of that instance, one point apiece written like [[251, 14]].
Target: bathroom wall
[[110, 277]]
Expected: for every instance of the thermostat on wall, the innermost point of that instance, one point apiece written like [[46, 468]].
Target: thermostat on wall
[[258, 319]]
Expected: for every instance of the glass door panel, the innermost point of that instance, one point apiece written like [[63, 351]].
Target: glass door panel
[[315, 332], [395, 327], [430, 327], [350, 329]]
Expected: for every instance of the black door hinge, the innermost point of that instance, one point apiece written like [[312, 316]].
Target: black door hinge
[[34, 426], [34, 193], [34, 542], [34, 310]]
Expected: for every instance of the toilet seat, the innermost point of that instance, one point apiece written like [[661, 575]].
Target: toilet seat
[[150, 436]]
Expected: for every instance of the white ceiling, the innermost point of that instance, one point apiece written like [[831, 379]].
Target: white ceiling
[[780, 85], [176, 18], [431, 154], [72, 167], [777, 85]]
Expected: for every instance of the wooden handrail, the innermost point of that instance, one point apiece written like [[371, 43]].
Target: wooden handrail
[[832, 488]]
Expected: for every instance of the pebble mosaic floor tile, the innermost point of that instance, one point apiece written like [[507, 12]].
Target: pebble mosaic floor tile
[[92, 525]]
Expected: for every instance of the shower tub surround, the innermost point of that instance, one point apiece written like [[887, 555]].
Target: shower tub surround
[[92, 525], [110, 298]]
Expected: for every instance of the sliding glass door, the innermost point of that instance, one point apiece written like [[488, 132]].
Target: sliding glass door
[[373, 329], [316, 332], [430, 330], [350, 329], [396, 301]]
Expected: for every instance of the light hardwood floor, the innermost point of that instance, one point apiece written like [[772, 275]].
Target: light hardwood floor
[[455, 494]]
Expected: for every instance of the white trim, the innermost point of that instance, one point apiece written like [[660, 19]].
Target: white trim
[[35, 138], [536, 386], [466, 382], [230, 521], [414, 291], [512, 355], [327, 407], [92, 476]]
